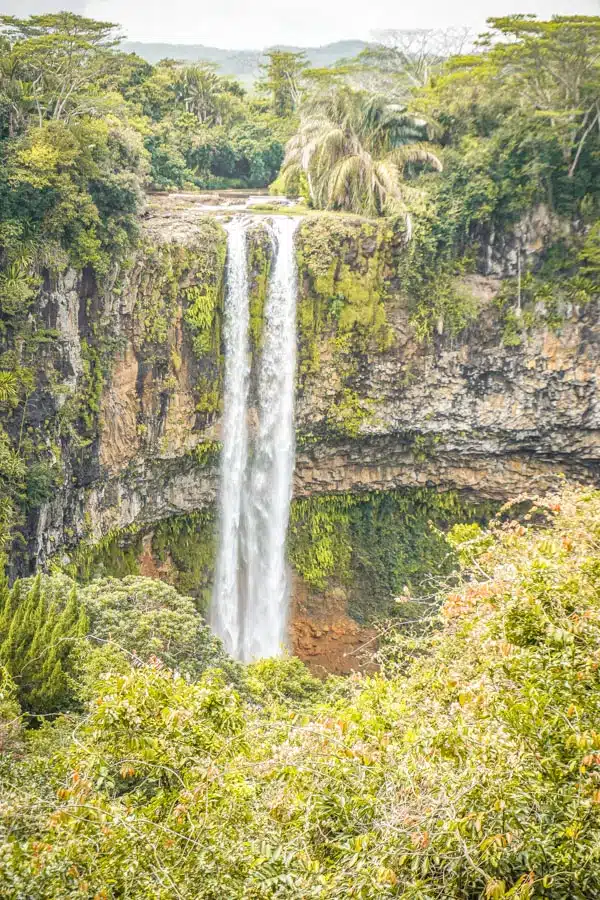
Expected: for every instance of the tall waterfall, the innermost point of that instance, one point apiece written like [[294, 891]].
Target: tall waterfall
[[226, 607], [251, 590]]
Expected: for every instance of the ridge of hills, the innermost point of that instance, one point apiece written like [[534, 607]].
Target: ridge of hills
[[243, 64]]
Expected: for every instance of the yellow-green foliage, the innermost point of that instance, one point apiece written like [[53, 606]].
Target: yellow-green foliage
[[9, 707], [41, 627], [161, 268], [184, 545], [207, 453], [208, 395], [113, 554], [467, 768], [147, 618], [204, 296], [342, 264], [260, 256], [282, 680]]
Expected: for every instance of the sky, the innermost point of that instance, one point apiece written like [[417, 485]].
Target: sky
[[255, 24]]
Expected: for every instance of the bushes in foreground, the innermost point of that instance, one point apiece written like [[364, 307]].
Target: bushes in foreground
[[474, 775], [55, 636]]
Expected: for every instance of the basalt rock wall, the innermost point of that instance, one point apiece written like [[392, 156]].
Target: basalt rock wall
[[378, 406]]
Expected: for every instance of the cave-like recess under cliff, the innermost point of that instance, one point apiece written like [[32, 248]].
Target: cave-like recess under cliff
[[377, 409]]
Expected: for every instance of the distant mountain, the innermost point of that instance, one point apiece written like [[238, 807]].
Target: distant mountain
[[244, 64]]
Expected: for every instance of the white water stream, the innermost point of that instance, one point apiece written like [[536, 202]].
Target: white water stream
[[250, 602], [226, 607]]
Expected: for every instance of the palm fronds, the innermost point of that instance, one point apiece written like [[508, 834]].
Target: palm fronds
[[355, 149]]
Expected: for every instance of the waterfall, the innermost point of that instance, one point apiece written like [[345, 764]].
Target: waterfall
[[251, 590], [270, 488], [226, 610]]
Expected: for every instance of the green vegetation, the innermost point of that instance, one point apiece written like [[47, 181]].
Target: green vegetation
[[470, 771], [281, 80], [342, 266], [182, 546], [375, 546], [514, 123], [516, 126], [136, 760], [188, 545], [260, 257], [380, 546], [352, 148], [42, 624], [54, 634], [203, 131], [85, 128], [149, 619]]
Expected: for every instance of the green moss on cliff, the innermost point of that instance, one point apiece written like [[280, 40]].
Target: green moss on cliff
[[375, 545], [181, 549], [371, 545], [115, 554], [186, 545], [343, 267], [188, 278], [260, 258], [204, 307]]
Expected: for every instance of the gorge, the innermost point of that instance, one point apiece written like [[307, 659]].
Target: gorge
[[472, 413], [300, 463]]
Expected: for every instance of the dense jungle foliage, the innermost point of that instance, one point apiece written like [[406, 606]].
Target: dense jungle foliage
[[138, 761], [467, 768]]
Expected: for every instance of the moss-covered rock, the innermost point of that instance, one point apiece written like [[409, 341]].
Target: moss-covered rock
[[344, 267]]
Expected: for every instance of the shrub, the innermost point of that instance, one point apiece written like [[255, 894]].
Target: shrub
[[148, 618], [42, 626]]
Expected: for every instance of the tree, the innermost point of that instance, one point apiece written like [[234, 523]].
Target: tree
[[209, 98], [55, 63], [406, 59], [553, 71], [282, 80], [148, 618], [354, 149], [41, 624]]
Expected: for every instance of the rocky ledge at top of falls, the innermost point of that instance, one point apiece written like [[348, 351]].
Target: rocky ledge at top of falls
[[468, 412]]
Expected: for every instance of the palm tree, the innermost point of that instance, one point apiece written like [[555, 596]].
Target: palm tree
[[354, 149], [200, 90]]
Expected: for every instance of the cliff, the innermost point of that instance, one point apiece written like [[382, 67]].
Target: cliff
[[128, 398]]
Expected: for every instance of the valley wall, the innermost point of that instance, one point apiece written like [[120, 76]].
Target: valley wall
[[379, 406]]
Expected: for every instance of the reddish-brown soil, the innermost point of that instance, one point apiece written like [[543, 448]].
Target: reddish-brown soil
[[325, 637]]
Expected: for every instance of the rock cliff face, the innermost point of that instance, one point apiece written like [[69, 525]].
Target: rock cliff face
[[376, 408], [468, 413]]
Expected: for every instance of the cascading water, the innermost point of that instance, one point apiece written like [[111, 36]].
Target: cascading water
[[270, 485], [225, 611], [250, 600]]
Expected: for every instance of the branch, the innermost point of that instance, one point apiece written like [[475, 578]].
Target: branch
[[584, 137]]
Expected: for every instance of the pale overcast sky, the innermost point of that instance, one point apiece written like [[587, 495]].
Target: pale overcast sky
[[250, 24]]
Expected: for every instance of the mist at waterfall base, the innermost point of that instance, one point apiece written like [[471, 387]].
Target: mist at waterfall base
[[251, 594]]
